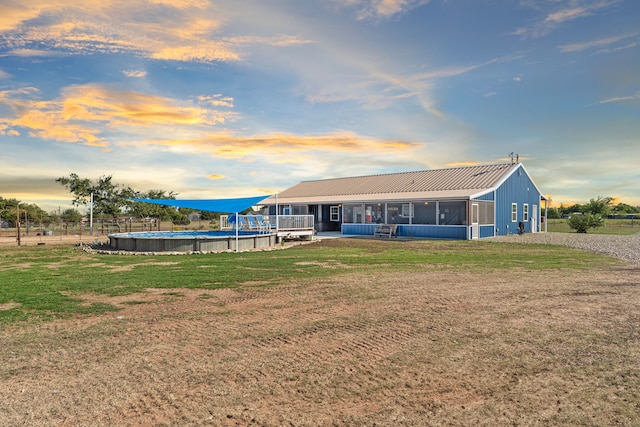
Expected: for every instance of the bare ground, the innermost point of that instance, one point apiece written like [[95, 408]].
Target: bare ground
[[33, 239], [428, 348]]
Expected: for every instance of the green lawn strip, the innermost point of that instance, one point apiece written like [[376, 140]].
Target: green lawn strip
[[619, 227], [48, 283]]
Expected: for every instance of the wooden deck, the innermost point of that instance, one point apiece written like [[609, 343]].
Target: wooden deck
[[284, 226]]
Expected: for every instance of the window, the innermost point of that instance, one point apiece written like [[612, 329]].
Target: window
[[407, 210], [395, 214], [300, 210], [525, 212], [373, 213], [486, 212], [352, 214], [424, 213], [334, 213], [453, 213], [514, 212]]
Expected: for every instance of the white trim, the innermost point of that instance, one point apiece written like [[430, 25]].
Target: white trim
[[475, 226], [506, 177]]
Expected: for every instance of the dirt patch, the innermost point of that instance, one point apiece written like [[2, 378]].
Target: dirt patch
[[330, 265], [9, 305], [423, 348], [132, 266]]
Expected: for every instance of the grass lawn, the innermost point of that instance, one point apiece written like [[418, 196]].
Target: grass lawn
[[48, 282], [338, 332]]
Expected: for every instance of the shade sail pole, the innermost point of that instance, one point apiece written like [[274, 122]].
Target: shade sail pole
[[277, 209], [237, 221]]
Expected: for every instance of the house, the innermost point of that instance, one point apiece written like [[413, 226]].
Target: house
[[454, 203]]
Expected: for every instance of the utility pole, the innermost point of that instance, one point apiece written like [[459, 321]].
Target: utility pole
[[91, 216]]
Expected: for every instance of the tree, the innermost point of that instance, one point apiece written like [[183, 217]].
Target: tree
[[209, 216], [599, 206], [151, 210], [623, 208], [71, 216], [581, 223], [552, 213], [8, 210], [108, 198]]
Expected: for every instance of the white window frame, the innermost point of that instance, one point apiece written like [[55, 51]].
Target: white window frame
[[407, 210], [334, 213], [525, 212], [514, 212]]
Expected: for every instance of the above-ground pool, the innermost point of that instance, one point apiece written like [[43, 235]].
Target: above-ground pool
[[188, 241]]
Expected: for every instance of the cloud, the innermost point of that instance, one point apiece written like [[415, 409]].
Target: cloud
[[85, 113], [279, 147], [98, 115], [27, 53], [552, 20], [633, 97], [579, 47], [4, 74], [454, 70], [188, 30], [217, 100], [379, 89], [378, 9], [13, 14], [134, 73], [215, 176]]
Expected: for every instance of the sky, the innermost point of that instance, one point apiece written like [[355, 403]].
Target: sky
[[215, 99]]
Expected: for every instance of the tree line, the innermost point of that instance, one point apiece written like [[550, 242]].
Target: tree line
[[110, 201], [602, 206]]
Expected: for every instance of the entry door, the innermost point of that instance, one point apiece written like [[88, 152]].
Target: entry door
[[475, 226], [534, 218]]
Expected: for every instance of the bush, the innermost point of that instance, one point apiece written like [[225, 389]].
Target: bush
[[581, 223]]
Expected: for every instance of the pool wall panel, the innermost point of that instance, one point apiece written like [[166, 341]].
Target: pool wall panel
[[210, 243]]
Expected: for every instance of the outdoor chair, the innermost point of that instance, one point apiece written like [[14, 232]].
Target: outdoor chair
[[386, 230], [252, 222], [236, 222], [263, 224]]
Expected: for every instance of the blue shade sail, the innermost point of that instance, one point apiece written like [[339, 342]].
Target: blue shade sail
[[211, 205]]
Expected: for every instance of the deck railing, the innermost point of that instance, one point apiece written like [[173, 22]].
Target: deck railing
[[280, 222]]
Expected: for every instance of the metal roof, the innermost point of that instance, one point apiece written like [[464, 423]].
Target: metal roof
[[460, 182]]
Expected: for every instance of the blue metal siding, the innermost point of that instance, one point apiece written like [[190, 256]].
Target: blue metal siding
[[519, 189], [486, 197], [486, 231], [359, 229], [458, 232]]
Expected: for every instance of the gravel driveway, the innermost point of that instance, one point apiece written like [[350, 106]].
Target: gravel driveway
[[625, 247]]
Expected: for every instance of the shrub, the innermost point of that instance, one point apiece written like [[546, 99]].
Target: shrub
[[581, 223]]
